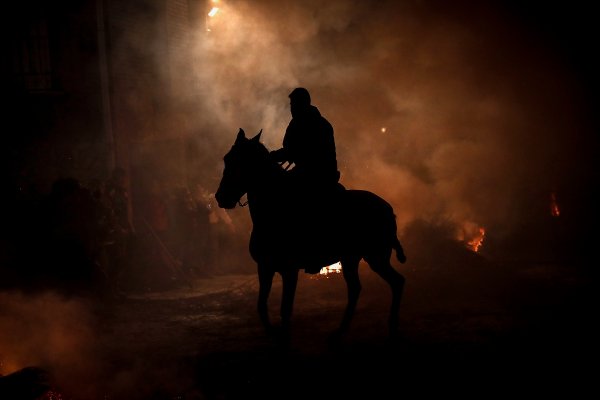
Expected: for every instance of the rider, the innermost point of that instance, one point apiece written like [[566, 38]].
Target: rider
[[309, 145]]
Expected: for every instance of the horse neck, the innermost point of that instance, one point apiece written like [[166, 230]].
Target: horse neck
[[264, 192]]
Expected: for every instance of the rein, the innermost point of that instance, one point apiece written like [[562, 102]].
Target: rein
[[285, 166]]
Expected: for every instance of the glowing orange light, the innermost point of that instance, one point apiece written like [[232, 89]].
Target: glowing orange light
[[383, 129], [554, 210], [213, 11], [476, 242], [471, 235]]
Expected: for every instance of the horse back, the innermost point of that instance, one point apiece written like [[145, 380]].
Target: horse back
[[366, 220], [363, 206]]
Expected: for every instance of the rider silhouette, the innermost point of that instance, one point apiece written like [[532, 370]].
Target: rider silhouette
[[309, 145]]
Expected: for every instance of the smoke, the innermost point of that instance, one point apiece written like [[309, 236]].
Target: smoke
[[473, 114], [466, 114], [459, 115], [87, 349], [51, 332]]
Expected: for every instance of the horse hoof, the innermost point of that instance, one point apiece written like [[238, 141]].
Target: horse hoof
[[279, 336], [335, 340], [272, 332], [396, 336]]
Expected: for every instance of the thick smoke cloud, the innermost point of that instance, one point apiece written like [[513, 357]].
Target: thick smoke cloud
[[464, 113]]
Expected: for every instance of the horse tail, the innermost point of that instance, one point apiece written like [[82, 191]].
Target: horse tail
[[400, 256], [397, 246]]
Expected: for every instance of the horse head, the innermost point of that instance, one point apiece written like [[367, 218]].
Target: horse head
[[241, 164]]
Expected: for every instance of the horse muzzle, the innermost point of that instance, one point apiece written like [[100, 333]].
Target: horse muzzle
[[224, 202]]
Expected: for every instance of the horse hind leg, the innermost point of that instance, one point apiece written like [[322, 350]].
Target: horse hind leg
[[380, 264], [350, 274]]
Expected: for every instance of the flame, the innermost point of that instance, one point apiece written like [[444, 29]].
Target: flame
[[477, 241], [472, 236], [554, 210], [332, 269]]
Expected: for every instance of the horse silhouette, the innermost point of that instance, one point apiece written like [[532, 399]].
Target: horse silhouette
[[365, 230]]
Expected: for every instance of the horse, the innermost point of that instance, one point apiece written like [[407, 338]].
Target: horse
[[366, 231]]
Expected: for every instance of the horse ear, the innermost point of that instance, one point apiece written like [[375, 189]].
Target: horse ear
[[257, 137], [240, 136]]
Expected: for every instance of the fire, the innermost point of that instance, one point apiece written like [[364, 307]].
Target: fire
[[554, 210], [332, 269], [472, 236], [476, 242]]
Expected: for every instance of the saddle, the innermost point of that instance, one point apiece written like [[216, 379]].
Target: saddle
[[317, 230]]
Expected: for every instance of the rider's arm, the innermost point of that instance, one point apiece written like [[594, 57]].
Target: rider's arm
[[279, 155]]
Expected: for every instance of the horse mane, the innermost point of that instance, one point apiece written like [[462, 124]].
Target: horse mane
[[264, 160]]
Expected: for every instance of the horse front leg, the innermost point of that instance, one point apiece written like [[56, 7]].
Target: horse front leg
[[265, 282], [290, 282]]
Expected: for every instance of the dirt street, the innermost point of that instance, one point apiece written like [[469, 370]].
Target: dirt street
[[492, 330]]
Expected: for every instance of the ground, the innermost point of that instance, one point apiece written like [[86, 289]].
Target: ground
[[480, 330]]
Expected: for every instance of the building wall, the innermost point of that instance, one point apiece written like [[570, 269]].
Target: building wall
[[95, 84], [50, 84]]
